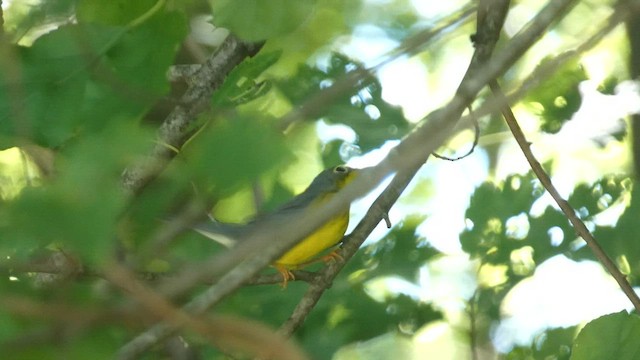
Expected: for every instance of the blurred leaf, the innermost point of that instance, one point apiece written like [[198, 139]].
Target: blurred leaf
[[611, 336], [255, 20], [540, 237], [387, 346], [231, 154], [44, 106], [115, 12], [84, 75], [97, 344], [559, 95], [489, 301], [269, 303], [79, 210], [329, 20], [331, 152], [126, 82], [591, 199], [9, 327]]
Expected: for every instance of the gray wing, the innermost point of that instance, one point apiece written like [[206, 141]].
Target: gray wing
[[229, 234]]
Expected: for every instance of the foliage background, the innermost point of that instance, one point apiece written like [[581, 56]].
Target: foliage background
[[84, 87]]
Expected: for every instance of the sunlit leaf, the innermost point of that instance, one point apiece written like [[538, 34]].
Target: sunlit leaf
[[609, 337], [617, 240], [559, 96]]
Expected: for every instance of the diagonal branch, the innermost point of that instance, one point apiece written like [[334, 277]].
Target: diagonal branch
[[411, 153], [179, 124], [489, 26], [315, 105], [548, 68], [225, 332], [566, 208], [235, 267], [427, 136]]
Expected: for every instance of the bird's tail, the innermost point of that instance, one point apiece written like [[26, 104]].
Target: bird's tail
[[223, 233]]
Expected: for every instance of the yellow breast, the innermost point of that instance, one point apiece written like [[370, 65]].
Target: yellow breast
[[323, 238]]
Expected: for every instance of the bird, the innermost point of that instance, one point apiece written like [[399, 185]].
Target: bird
[[322, 188]]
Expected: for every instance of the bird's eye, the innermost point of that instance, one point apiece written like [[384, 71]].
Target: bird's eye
[[340, 169]]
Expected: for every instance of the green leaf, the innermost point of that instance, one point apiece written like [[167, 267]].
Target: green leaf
[[551, 344], [140, 59], [80, 77], [617, 240], [241, 86], [255, 20], [613, 336], [559, 96], [494, 235], [41, 103], [115, 12], [489, 238], [80, 209], [232, 153]]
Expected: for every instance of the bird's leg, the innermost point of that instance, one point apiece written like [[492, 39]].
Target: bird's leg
[[286, 274]]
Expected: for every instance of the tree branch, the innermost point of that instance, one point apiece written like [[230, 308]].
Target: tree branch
[[270, 241], [178, 126], [546, 69], [315, 105], [230, 333], [495, 13], [566, 208]]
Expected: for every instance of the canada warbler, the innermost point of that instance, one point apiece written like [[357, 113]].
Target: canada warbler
[[325, 185]]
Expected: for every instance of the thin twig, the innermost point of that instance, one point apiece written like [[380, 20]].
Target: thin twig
[[476, 138], [566, 208]]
